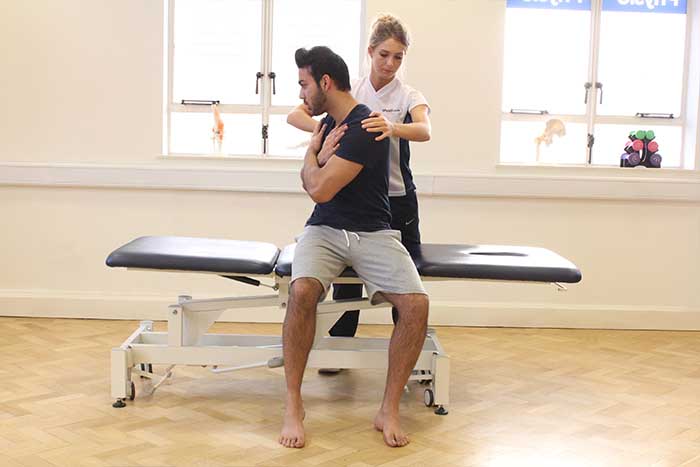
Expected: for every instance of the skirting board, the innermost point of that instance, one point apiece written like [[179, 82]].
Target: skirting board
[[49, 304]]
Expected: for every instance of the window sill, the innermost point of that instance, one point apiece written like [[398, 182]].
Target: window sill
[[565, 182], [229, 157], [242, 175]]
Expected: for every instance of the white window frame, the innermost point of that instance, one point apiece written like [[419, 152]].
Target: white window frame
[[688, 141], [264, 108]]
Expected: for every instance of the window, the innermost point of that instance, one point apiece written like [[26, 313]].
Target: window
[[581, 75], [240, 55]]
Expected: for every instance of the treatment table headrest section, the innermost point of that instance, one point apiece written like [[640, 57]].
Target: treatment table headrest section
[[196, 255]]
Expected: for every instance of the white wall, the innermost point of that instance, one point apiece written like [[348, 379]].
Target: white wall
[[81, 173], [82, 80]]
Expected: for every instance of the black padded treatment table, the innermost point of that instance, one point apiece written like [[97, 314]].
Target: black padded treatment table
[[187, 342]]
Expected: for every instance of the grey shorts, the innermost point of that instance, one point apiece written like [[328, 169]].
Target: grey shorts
[[378, 258]]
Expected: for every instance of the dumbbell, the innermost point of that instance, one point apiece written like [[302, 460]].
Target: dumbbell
[[639, 134], [654, 160], [630, 160], [634, 146]]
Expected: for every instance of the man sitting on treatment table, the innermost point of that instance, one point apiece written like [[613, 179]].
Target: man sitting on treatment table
[[346, 173]]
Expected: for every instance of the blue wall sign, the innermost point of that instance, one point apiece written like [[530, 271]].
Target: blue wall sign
[[551, 4], [646, 6], [642, 6]]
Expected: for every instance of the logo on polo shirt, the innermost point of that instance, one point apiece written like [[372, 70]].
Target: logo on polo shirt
[[391, 110]]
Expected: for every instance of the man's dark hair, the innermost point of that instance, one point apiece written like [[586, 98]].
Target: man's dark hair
[[321, 60]]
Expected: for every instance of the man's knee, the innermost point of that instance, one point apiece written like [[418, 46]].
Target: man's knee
[[420, 305], [305, 292], [413, 305]]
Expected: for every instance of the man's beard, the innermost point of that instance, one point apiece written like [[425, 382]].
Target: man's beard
[[318, 103]]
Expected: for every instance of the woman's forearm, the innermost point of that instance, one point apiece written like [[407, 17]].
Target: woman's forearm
[[415, 131], [300, 119]]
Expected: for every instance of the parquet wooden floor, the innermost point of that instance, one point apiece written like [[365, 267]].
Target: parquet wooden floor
[[520, 397]]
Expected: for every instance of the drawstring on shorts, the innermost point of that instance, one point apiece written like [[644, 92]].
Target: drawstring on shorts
[[347, 238]]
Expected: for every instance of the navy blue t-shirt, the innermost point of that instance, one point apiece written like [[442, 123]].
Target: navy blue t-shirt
[[363, 204]]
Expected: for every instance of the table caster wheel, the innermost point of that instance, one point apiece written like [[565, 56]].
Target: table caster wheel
[[428, 397]]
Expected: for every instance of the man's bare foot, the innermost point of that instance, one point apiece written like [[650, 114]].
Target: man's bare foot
[[292, 435], [390, 426]]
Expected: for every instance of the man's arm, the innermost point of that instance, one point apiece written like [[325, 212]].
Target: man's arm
[[323, 183]]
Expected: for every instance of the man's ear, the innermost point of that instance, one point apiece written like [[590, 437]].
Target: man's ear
[[326, 83]]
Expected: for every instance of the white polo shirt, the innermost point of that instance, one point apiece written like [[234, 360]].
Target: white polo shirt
[[395, 101]]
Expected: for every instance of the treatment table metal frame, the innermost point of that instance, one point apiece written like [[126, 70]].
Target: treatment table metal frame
[[187, 343]]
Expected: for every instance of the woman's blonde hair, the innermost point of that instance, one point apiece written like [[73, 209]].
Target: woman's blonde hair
[[387, 26]]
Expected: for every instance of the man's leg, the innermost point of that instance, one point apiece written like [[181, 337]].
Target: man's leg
[[297, 339], [404, 348], [386, 268]]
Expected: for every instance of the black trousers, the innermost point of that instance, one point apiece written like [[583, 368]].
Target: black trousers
[[404, 218]]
